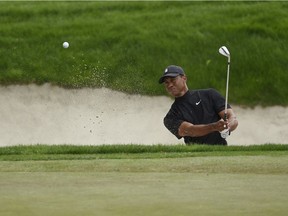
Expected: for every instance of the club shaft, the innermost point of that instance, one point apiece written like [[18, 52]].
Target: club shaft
[[227, 89]]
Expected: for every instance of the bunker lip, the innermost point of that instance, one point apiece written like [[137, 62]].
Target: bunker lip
[[46, 114]]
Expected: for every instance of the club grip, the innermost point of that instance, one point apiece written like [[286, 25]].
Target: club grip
[[225, 116]]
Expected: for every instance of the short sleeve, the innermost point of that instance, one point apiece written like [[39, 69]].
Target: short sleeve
[[218, 100]]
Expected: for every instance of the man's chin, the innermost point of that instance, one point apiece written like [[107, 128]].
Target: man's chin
[[174, 94]]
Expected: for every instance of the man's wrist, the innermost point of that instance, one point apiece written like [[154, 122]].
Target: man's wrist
[[213, 126]]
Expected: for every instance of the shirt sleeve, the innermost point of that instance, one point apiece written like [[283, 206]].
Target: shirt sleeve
[[218, 101], [172, 122]]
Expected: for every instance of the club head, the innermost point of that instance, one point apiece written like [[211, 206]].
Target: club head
[[224, 51]]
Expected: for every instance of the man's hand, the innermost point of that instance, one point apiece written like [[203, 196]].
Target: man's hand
[[223, 128], [232, 120], [220, 125]]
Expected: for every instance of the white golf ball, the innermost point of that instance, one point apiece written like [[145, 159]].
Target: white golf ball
[[65, 45]]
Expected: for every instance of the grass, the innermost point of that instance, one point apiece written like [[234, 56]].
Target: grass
[[144, 180], [48, 152], [114, 193], [251, 164], [126, 46]]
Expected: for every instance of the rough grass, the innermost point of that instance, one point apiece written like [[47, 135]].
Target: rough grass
[[127, 45], [70, 152]]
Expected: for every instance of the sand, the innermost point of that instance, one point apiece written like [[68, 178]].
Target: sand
[[46, 114]]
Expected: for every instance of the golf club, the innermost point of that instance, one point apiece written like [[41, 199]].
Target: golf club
[[224, 51]]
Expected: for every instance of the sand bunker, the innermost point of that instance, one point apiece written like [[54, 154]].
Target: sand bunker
[[52, 115]]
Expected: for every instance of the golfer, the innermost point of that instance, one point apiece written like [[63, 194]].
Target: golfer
[[196, 115]]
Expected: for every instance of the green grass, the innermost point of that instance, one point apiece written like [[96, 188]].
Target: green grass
[[239, 164], [144, 180], [70, 152], [120, 193], [127, 45]]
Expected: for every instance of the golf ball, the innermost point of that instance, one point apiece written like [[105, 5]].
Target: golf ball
[[65, 45]]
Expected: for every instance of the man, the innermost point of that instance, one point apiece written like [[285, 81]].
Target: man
[[196, 115]]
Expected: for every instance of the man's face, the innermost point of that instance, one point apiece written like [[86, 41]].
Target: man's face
[[176, 86]]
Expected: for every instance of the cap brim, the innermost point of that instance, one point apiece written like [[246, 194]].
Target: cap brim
[[161, 80]]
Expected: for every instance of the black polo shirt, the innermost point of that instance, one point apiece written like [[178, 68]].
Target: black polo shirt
[[197, 107]]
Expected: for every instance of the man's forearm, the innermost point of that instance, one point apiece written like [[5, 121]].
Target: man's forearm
[[188, 129], [232, 123]]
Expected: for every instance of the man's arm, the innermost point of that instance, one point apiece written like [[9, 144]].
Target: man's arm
[[189, 129]]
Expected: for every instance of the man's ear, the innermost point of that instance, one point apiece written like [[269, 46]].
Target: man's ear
[[184, 77]]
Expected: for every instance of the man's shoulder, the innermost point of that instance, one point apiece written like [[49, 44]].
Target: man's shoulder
[[198, 92], [207, 90], [209, 94]]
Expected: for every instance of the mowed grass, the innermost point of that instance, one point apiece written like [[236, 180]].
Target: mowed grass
[[142, 193], [166, 180]]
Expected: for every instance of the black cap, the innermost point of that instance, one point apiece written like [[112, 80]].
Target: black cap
[[171, 71]]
